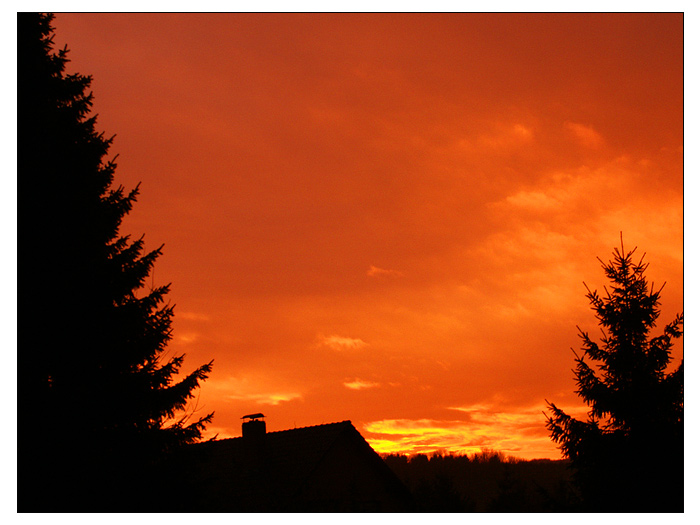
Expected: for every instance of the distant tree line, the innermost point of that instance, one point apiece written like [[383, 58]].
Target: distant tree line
[[486, 482]]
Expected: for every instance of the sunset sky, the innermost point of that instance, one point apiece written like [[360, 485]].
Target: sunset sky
[[388, 218]]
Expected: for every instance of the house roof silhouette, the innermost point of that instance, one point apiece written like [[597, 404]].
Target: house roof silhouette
[[327, 468]]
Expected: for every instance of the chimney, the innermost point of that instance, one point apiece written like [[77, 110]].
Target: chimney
[[253, 427]]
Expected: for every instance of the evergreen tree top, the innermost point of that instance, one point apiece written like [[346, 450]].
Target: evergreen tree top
[[635, 404], [100, 398]]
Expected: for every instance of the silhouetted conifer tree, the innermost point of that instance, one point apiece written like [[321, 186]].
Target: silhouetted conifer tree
[[628, 454], [98, 399]]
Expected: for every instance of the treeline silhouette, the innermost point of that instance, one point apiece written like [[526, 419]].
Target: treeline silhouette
[[487, 481]]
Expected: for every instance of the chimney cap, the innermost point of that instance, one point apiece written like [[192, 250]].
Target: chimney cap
[[253, 416]]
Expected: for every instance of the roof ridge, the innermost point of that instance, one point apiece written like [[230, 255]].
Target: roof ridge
[[346, 421], [311, 426]]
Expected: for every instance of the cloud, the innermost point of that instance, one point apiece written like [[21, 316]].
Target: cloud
[[548, 219], [359, 384], [573, 194], [552, 231], [185, 338], [259, 391], [472, 408], [266, 399], [407, 436], [507, 136], [519, 431], [503, 137], [375, 272], [533, 200], [339, 343], [487, 413], [585, 135], [409, 427]]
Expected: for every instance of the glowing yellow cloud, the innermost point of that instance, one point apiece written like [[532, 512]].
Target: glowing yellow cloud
[[520, 432], [359, 384]]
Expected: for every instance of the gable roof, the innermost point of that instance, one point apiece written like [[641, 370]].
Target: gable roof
[[270, 471]]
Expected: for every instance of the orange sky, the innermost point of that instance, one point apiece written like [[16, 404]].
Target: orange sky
[[388, 218]]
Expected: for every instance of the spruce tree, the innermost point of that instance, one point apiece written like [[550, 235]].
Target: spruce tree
[[100, 402], [628, 453]]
